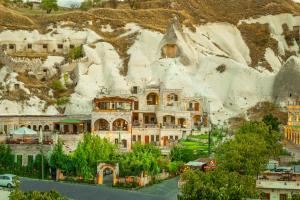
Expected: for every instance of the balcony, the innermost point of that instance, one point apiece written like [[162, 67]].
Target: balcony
[[173, 126], [145, 126], [47, 141], [273, 184]]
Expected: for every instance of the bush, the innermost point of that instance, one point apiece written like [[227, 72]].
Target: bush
[[62, 101], [57, 85], [76, 53], [34, 195], [86, 5]]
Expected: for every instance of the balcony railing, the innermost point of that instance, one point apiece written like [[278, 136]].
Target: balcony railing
[[28, 141], [145, 126]]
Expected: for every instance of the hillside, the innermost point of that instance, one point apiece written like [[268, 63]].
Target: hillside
[[232, 52]]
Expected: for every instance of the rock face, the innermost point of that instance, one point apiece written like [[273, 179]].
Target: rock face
[[174, 43], [212, 61], [287, 82]]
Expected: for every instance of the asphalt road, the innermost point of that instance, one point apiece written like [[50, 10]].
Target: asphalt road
[[93, 192]]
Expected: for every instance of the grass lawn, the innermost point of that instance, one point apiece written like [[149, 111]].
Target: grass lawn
[[199, 136], [194, 145]]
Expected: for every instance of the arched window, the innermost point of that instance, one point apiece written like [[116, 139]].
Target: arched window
[[152, 99], [101, 125], [120, 125], [46, 128]]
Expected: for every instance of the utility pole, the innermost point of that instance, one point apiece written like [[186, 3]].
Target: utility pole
[[42, 152]]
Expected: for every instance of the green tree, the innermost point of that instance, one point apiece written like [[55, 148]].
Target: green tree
[[245, 153], [181, 153], [143, 158], [295, 197], [272, 121], [270, 136], [60, 160], [90, 152], [217, 185], [6, 158], [49, 5]]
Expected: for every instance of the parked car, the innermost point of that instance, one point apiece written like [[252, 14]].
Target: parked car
[[7, 180]]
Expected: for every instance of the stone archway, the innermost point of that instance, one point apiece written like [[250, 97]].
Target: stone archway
[[100, 170]]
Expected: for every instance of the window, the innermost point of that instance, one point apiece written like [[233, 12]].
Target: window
[[134, 138], [116, 141], [157, 138], [134, 90], [176, 137], [176, 97], [72, 46], [171, 137], [139, 138], [60, 46], [283, 197], [152, 138], [11, 46], [29, 46], [147, 119], [45, 46], [4, 46]]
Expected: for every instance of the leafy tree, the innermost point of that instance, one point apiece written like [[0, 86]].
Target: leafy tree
[[272, 121], [295, 197], [60, 160], [49, 5], [90, 152], [143, 158], [246, 154], [174, 167], [6, 157], [217, 185], [180, 153], [270, 136]]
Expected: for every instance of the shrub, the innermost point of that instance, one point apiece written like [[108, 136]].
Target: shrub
[[34, 195], [62, 101], [86, 5], [57, 85]]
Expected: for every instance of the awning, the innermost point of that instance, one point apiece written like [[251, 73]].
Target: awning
[[70, 121]]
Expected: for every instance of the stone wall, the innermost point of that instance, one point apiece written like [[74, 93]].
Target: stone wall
[[20, 64]]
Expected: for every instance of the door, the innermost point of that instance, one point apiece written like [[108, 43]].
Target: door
[[75, 130], [124, 142], [197, 106], [147, 139], [165, 140]]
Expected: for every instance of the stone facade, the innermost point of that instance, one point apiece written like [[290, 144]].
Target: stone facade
[[152, 115]]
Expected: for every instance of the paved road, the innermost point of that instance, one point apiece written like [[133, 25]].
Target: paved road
[[4, 194], [167, 189], [91, 192]]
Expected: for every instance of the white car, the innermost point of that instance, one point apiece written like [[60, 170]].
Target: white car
[[7, 180]]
